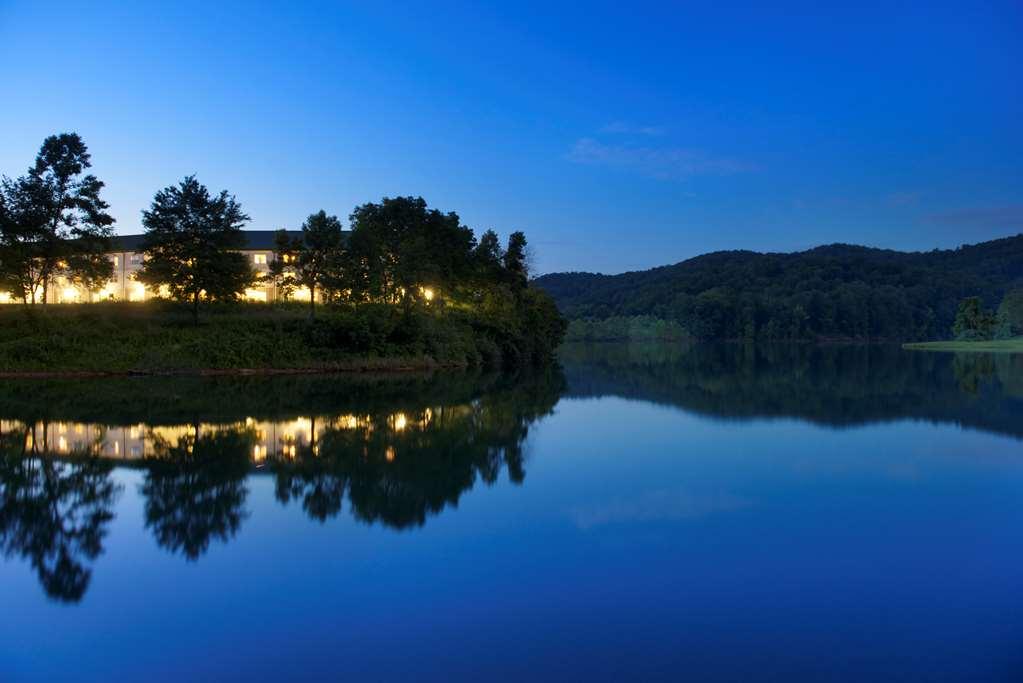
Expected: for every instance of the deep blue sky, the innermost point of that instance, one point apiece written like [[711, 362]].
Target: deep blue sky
[[618, 136]]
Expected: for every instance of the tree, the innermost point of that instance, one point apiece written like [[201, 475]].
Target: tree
[[400, 248], [973, 321], [319, 261], [489, 255], [516, 260], [281, 271], [53, 222], [191, 245], [1010, 315]]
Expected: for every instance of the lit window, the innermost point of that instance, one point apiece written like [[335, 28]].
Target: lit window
[[116, 260], [136, 259], [259, 259]]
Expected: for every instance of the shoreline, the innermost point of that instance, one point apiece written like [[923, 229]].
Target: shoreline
[[992, 346], [355, 368]]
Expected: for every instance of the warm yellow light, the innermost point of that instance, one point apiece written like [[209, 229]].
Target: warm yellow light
[[400, 422], [62, 444], [69, 294], [301, 294], [5, 298], [138, 292], [258, 453], [427, 293], [255, 294], [389, 454]]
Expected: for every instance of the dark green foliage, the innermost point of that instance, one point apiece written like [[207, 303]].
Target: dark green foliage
[[832, 292], [1010, 316], [973, 322], [190, 244], [400, 245], [53, 224], [515, 259], [162, 337], [319, 265]]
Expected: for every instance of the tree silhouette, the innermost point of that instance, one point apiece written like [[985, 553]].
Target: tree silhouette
[[195, 489]]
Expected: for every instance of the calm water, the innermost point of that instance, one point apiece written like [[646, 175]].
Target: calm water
[[647, 512]]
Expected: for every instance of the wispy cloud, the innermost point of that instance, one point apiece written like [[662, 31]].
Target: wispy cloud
[[622, 128], [666, 163], [1007, 217], [660, 505]]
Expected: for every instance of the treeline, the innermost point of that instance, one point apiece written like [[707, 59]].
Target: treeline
[[398, 253], [831, 292]]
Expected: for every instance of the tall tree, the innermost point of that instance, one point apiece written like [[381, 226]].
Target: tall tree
[[319, 261], [516, 258], [191, 245], [53, 222]]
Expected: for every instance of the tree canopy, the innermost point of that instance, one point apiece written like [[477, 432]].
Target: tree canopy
[[191, 244], [53, 223]]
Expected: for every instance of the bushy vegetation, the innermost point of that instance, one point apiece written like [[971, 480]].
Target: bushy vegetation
[[832, 292], [162, 337]]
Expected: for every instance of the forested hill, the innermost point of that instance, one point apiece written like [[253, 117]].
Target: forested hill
[[835, 291]]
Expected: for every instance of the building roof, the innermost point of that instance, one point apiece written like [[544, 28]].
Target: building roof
[[255, 239]]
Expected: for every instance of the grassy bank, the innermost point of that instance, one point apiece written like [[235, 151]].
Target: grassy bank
[[156, 337], [995, 346]]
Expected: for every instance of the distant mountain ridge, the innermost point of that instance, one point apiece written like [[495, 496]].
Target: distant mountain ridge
[[839, 291]]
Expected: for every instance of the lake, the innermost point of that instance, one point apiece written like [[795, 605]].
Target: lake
[[642, 512]]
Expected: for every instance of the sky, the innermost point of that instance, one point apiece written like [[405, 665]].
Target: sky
[[618, 136]]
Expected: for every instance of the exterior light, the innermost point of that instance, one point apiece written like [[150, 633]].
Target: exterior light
[[427, 293]]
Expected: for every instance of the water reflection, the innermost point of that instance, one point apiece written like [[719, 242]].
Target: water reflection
[[54, 513], [837, 386], [414, 447], [395, 451]]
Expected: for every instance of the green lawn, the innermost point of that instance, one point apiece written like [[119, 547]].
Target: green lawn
[[161, 338], [996, 346]]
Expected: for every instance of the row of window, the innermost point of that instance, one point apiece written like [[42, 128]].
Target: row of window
[[136, 259]]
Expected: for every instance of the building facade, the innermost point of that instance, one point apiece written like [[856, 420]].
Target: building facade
[[127, 258]]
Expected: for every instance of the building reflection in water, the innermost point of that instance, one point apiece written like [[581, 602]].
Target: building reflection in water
[[272, 440]]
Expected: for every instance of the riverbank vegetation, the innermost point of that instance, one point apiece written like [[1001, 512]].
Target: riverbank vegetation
[[836, 292], [160, 337]]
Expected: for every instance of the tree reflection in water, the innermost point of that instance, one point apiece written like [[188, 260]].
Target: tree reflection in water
[[54, 513], [195, 488], [399, 468]]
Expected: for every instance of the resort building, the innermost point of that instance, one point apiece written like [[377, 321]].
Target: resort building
[[127, 258]]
